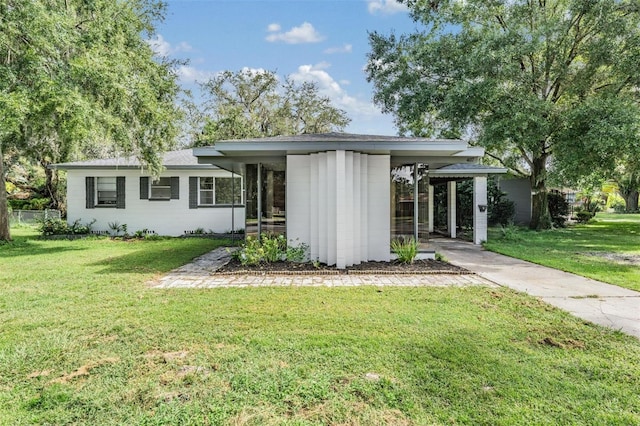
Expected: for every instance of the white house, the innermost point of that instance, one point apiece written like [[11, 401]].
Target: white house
[[187, 196], [347, 196]]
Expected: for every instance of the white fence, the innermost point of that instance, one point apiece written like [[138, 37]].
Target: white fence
[[33, 216]]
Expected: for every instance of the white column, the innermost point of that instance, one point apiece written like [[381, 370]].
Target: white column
[[430, 209], [379, 220], [364, 207], [479, 218], [332, 248], [322, 207], [314, 180], [451, 208], [341, 210], [357, 209]]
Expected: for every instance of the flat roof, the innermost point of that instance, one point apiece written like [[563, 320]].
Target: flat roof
[[180, 159]]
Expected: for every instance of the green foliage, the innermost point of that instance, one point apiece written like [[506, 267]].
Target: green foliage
[[583, 216], [558, 209], [539, 82], [287, 356], [406, 249], [595, 250], [500, 209], [80, 79], [251, 104], [271, 248], [510, 232], [275, 247], [61, 227]]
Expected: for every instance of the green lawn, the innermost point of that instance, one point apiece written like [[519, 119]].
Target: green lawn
[[596, 250], [83, 340]]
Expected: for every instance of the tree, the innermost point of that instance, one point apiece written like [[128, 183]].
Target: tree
[[251, 104], [78, 76], [519, 72]]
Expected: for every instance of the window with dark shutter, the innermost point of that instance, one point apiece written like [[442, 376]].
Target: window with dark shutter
[[144, 187], [193, 192], [120, 192], [175, 188], [90, 192]]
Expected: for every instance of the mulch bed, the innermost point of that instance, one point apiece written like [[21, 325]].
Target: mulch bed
[[393, 267]]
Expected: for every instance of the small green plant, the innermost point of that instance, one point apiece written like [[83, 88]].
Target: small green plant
[[297, 252], [510, 232], [117, 228], [250, 253], [53, 227], [583, 216], [406, 249], [440, 257], [274, 247]]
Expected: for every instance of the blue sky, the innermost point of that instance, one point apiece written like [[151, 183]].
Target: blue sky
[[314, 40]]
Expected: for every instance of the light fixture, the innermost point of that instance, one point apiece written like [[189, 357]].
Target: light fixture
[[482, 207]]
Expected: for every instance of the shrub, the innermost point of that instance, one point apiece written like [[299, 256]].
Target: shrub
[[558, 209], [250, 253], [510, 233], [53, 227], [274, 247], [297, 253], [406, 249], [583, 216], [501, 209]]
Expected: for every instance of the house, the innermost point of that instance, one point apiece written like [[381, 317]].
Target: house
[[347, 196], [187, 196]]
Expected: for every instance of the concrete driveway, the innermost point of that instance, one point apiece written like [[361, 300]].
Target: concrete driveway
[[595, 301]]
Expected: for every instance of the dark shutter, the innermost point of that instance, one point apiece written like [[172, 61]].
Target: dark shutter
[[193, 192], [175, 188], [144, 187], [120, 192], [90, 192]]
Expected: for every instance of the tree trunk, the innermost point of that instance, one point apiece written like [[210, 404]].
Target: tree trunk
[[51, 185], [540, 217], [631, 201], [5, 234]]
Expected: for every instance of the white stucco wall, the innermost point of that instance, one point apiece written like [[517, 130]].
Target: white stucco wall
[[479, 218], [166, 217], [338, 203]]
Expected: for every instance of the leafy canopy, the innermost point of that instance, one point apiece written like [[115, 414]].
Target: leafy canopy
[[527, 76], [250, 104], [78, 78]]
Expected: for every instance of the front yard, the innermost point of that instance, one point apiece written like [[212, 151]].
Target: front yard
[[83, 340], [607, 250]]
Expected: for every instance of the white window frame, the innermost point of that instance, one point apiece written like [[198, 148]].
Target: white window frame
[[155, 184], [213, 191], [98, 190]]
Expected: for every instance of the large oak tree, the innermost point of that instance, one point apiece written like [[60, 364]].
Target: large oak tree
[[79, 75], [255, 103], [522, 73]]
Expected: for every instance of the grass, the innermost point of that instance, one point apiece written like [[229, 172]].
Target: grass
[[582, 249], [85, 341]]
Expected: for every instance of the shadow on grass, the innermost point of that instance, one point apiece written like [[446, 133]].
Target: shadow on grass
[[149, 260], [28, 247]]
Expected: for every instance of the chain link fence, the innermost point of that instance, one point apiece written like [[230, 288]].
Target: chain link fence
[[33, 216]]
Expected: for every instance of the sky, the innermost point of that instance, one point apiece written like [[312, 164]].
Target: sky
[[324, 41]]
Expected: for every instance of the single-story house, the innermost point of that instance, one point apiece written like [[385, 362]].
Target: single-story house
[[187, 197], [347, 196]]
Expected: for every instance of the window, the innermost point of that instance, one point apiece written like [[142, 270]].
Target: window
[[211, 191], [106, 191], [161, 188], [228, 191]]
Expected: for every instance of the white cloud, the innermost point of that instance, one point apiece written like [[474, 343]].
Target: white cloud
[[356, 108], [305, 33], [387, 7], [345, 48], [189, 74], [162, 47]]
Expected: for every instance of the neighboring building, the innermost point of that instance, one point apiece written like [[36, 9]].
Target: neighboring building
[[347, 196], [187, 196]]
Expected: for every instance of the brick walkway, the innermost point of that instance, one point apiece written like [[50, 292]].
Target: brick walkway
[[199, 274]]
